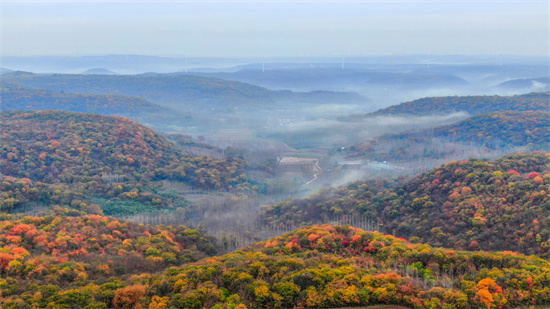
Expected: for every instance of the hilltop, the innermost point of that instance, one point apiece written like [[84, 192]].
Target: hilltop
[[99, 71], [73, 158], [540, 83], [18, 98], [313, 267], [472, 204], [473, 105], [192, 92]]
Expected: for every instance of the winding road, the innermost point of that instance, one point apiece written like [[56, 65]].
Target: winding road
[[315, 176], [316, 164], [290, 147]]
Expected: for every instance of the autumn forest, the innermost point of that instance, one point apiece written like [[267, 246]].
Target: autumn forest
[[291, 185]]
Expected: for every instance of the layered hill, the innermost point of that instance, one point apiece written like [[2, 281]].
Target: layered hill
[[18, 98], [494, 131], [501, 204], [473, 105], [176, 90], [313, 267], [53, 258], [540, 83], [71, 157], [333, 77]]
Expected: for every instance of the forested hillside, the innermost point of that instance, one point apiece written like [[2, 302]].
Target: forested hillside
[[64, 258], [471, 104], [71, 158], [314, 267], [18, 98], [501, 204], [180, 90], [494, 131]]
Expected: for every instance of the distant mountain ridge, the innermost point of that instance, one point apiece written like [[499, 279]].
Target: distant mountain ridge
[[334, 77], [99, 71], [136, 64], [176, 90]]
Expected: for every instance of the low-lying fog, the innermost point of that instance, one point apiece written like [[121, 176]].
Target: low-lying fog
[[310, 135], [327, 132]]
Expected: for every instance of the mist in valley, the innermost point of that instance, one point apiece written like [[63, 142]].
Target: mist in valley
[[296, 119], [321, 133], [274, 154]]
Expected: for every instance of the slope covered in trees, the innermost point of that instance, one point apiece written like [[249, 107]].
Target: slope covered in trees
[[471, 104], [494, 131], [73, 157], [18, 98], [181, 90], [54, 260], [472, 204], [314, 267]]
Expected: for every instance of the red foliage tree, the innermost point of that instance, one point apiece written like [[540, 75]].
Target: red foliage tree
[[127, 297]]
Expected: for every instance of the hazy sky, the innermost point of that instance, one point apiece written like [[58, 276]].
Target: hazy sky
[[273, 28]]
